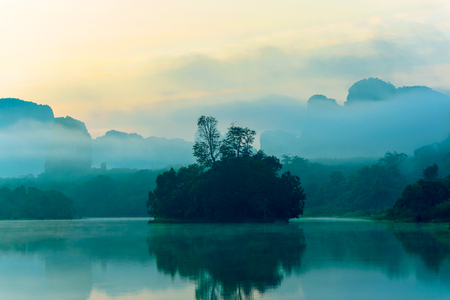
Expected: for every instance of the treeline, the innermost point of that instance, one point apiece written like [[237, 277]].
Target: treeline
[[352, 188], [114, 195], [426, 200], [362, 188], [32, 203], [230, 182], [234, 190], [108, 193]]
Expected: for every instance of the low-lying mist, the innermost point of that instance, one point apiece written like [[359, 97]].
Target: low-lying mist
[[377, 117], [371, 122]]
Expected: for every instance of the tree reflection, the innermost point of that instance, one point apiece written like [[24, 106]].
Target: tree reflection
[[433, 247], [70, 249], [228, 261]]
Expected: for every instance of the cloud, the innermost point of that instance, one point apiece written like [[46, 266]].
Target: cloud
[[402, 121], [228, 88], [180, 119], [163, 95]]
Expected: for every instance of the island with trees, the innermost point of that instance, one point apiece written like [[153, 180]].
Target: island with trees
[[231, 182]]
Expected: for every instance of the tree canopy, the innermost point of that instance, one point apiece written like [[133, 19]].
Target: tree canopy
[[423, 201], [238, 142], [235, 186], [32, 203], [364, 192], [207, 145]]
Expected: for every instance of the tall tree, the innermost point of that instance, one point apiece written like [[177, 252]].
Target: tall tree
[[207, 145], [238, 142]]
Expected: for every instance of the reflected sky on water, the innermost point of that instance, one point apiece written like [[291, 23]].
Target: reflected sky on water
[[103, 259]]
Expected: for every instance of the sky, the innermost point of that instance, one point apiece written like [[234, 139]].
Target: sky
[[153, 67]]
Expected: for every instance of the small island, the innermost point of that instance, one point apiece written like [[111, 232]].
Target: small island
[[230, 182]]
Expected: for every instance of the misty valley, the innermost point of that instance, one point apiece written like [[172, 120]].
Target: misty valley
[[353, 160], [313, 201]]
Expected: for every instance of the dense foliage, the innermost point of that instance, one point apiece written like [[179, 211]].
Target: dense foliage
[[365, 191], [235, 189], [229, 184], [316, 174], [99, 193], [34, 204], [365, 186], [425, 200]]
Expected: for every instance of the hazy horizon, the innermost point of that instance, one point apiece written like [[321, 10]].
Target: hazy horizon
[[136, 67]]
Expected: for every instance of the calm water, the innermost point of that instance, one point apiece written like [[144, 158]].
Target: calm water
[[102, 259]]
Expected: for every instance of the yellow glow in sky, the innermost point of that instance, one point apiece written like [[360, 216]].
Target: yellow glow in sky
[[90, 59]]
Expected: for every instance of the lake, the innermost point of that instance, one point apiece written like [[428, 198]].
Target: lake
[[103, 259]]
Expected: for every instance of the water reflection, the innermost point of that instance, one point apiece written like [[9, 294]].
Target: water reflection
[[77, 257], [366, 245], [228, 261], [110, 259], [68, 277], [432, 246]]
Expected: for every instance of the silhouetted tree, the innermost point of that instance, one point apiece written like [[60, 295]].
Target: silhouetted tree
[[238, 142], [207, 145], [242, 186], [235, 189]]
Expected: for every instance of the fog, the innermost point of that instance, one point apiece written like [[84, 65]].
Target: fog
[[24, 147], [179, 118], [375, 118], [123, 150]]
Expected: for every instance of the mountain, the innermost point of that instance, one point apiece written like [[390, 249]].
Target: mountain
[[34, 141], [131, 150], [374, 89], [377, 117], [14, 110], [25, 132], [70, 151]]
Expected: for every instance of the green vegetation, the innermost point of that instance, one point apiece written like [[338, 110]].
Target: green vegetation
[[98, 193], [423, 201], [34, 204], [350, 190], [231, 182], [239, 186], [388, 188]]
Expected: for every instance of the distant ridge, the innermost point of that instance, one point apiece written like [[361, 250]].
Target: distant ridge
[[377, 117], [374, 89], [13, 110], [70, 150], [131, 150]]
